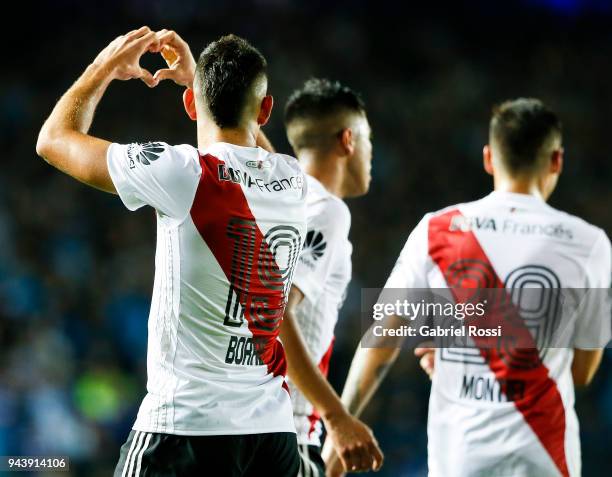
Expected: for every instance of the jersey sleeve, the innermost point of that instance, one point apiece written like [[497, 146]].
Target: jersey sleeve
[[156, 174], [594, 319], [410, 270], [325, 231]]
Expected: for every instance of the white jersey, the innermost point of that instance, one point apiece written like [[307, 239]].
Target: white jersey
[[485, 416], [230, 225], [322, 275]]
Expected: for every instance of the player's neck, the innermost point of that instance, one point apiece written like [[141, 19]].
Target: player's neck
[[329, 172], [527, 187], [208, 135]]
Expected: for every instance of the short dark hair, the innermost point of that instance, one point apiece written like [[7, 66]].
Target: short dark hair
[[520, 128], [226, 70], [321, 97]]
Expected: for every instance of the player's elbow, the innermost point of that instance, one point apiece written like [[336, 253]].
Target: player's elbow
[[50, 141], [44, 144]]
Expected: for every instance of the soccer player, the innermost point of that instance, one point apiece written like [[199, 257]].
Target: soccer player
[[329, 131], [525, 423], [230, 225]]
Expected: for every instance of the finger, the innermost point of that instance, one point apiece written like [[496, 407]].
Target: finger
[[165, 74], [363, 461], [427, 363], [354, 460], [161, 33], [344, 457], [167, 37], [147, 41], [145, 30], [431, 364], [148, 78], [365, 458], [377, 456], [131, 33], [420, 351], [155, 46], [171, 38], [424, 364]]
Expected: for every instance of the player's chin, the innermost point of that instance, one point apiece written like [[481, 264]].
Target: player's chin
[[360, 188], [365, 186]]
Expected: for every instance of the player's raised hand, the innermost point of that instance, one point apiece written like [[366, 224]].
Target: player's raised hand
[[178, 57], [427, 360], [354, 443], [121, 58]]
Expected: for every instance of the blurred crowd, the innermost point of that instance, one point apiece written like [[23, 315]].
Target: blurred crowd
[[76, 268]]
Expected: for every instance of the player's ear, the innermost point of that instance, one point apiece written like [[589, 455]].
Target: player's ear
[[556, 161], [487, 159], [265, 110], [189, 103], [347, 141]]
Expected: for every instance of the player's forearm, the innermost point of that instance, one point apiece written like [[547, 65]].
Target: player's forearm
[[305, 374], [73, 113], [63, 140], [368, 369], [585, 365]]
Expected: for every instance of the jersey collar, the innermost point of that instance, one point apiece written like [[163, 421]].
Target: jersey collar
[[516, 197]]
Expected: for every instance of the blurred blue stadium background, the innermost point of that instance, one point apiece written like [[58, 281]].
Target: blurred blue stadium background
[[76, 268]]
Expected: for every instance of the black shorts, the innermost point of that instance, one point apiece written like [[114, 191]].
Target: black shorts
[[311, 462], [147, 454]]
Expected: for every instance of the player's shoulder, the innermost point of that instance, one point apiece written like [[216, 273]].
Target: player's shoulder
[[288, 164], [287, 159], [158, 152], [336, 213], [445, 216], [584, 231], [441, 212], [581, 230], [324, 207]]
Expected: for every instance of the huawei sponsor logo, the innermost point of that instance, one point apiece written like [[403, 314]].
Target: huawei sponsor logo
[[144, 153], [314, 248]]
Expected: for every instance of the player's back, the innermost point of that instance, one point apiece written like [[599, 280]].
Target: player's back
[[488, 415], [231, 223]]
